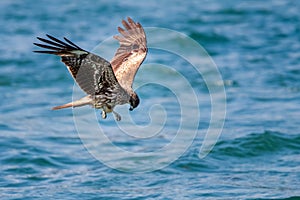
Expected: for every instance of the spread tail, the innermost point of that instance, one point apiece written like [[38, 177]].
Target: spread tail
[[81, 102]]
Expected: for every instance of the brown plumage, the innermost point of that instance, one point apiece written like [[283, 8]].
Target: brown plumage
[[106, 84]]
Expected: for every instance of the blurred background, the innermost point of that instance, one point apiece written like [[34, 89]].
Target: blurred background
[[255, 45]]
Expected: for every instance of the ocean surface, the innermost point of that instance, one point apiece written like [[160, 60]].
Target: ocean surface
[[154, 151]]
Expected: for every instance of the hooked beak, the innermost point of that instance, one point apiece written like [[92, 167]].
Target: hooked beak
[[131, 108]]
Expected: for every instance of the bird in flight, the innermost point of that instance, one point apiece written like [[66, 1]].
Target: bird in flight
[[106, 84]]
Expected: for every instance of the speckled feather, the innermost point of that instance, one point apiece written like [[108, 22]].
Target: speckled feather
[[106, 84], [93, 74], [131, 53]]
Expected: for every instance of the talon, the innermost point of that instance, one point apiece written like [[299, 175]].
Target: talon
[[117, 116], [103, 114]]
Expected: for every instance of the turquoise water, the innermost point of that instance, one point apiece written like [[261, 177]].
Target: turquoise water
[[255, 45]]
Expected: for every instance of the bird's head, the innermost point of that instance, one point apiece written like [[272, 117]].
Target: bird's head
[[133, 101]]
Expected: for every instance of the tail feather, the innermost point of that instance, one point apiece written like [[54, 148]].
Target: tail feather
[[81, 102], [67, 105]]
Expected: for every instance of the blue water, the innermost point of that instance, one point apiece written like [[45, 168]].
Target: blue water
[[255, 45]]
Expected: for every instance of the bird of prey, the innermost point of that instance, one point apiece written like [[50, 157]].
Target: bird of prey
[[106, 84]]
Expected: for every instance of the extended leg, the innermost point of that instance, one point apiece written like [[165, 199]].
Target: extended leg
[[103, 114], [117, 116]]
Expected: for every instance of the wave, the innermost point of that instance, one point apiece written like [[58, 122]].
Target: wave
[[259, 144]]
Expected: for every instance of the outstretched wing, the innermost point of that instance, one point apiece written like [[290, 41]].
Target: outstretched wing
[[130, 54], [93, 74]]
